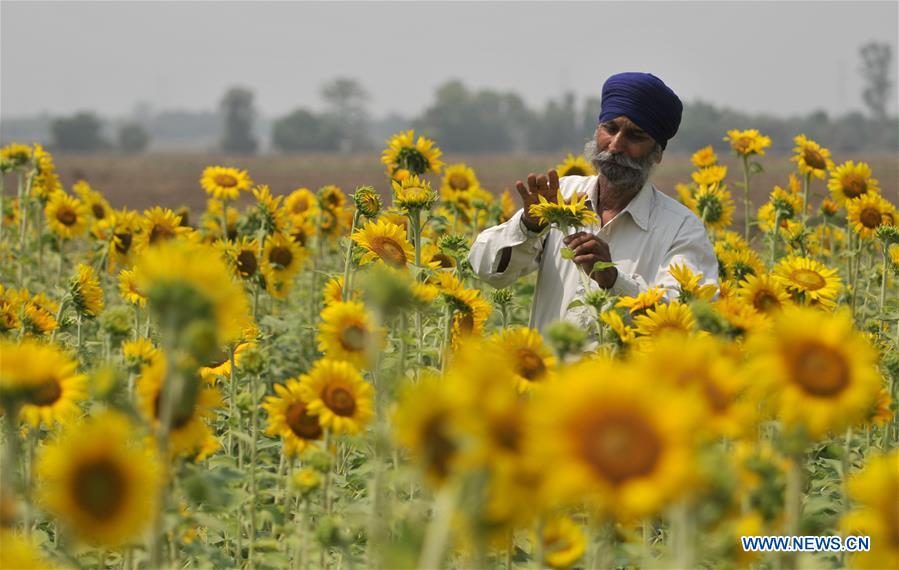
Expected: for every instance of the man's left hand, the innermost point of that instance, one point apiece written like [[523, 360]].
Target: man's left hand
[[588, 249]]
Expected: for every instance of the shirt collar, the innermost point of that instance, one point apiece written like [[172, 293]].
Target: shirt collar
[[639, 207]]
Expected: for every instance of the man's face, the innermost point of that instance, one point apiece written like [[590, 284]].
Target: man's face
[[621, 135]]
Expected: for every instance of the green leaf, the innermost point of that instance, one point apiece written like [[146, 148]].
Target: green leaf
[[567, 253], [601, 265], [576, 303], [755, 168]]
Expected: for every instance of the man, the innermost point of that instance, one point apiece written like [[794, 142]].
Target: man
[[642, 231]]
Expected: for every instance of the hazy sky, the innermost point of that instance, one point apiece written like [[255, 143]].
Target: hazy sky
[[777, 57]]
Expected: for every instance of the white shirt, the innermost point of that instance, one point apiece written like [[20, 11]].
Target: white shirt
[[650, 234]]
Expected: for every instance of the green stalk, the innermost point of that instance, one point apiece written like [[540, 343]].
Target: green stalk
[[253, 436], [806, 182], [883, 286], [746, 204], [437, 533], [349, 258]]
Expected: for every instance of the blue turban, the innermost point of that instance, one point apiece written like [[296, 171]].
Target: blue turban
[[644, 99]]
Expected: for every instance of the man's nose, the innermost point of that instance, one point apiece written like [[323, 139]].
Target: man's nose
[[617, 144]]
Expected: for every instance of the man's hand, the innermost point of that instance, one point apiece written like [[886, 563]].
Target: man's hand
[[588, 249], [541, 185]]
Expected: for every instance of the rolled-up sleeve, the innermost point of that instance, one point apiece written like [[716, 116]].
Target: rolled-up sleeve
[[525, 247]]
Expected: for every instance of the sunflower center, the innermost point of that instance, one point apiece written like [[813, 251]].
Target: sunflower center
[[507, 433], [99, 211], [302, 423], [300, 205], [714, 396], [765, 301], [465, 322], [808, 279], [575, 171], [389, 251], [870, 217], [620, 446], [854, 186], [814, 159], [446, 261], [67, 217], [225, 180], [820, 371], [339, 400], [439, 448], [180, 417], [412, 160], [246, 263], [741, 145], [299, 236], [459, 182], [530, 365], [160, 232], [47, 394], [332, 199], [353, 338], [123, 242], [280, 256], [98, 487]]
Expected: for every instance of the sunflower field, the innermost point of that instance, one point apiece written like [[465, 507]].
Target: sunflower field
[[318, 380]]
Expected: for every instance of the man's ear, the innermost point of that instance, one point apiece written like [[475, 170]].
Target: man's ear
[[659, 156]]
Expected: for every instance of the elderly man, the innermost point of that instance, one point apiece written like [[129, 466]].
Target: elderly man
[[642, 231]]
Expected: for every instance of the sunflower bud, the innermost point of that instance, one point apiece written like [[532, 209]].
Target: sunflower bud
[[367, 201], [887, 234]]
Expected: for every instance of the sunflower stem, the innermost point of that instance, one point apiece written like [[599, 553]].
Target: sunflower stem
[[806, 182], [746, 204], [883, 287], [437, 533], [345, 293], [254, 416], [775, 233], [793, 506]]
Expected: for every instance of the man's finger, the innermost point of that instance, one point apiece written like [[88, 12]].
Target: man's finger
[[542, 184], [532, 183], [569, 239], [523, 192], [586, 259], [553, 180]]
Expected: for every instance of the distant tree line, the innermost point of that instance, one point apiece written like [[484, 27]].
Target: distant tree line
[[462, 119]]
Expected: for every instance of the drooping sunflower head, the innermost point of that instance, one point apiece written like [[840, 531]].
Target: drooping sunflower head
[[405, 155], [67, 216], [851, 180], [224, 182], [598, 426], [809, 281], [87, 295], [268, 209], [290, 419], [338, 395], [704, 157], [190, 284], [869, 211], [384, 241], [714, 205], [534, 363], [572, 214], [811, 158], [735, 264], [100, 480], [748, 142], [575, 166], [367, 201], [821, 374], [346, 332], [413, 194], [710, 175]]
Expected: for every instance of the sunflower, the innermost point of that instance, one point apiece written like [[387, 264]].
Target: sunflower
[[875, 492], [741, 317], [62, 388], [689, 282], [95, 202], [748, 142], [212, 220], [710, 175], [367, 201], [851, 180], [38, 314], [867, 212], [243, 255], [811, 158], [426, 423], [665, 318], [600, 429], [289, 418], [781, 203], [128, 288], [385, 241], [159, 225], [225, 183], [709, 368], [714, 206], [406, 156], [564, 543], [735, 264], [808, 280], [16, 154], [331, 197], [333, 292], [338, 395], [118, 231], [100, 480], [533, 362], [643, 301], [704, 157], [470, 311], [614, 321], [575, 166], [281, 260], [188, 432], [301, 201], [219, 365], [19, 553], [458, 181], [765, 293], [822, 375], [412, 194], [67, 216], [346, 332], [573, 214], [301, 229], [87, 295], [436, 258], [139, 353], [189, 283]]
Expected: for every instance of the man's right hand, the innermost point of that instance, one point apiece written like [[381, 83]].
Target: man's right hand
[[546, 186]]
